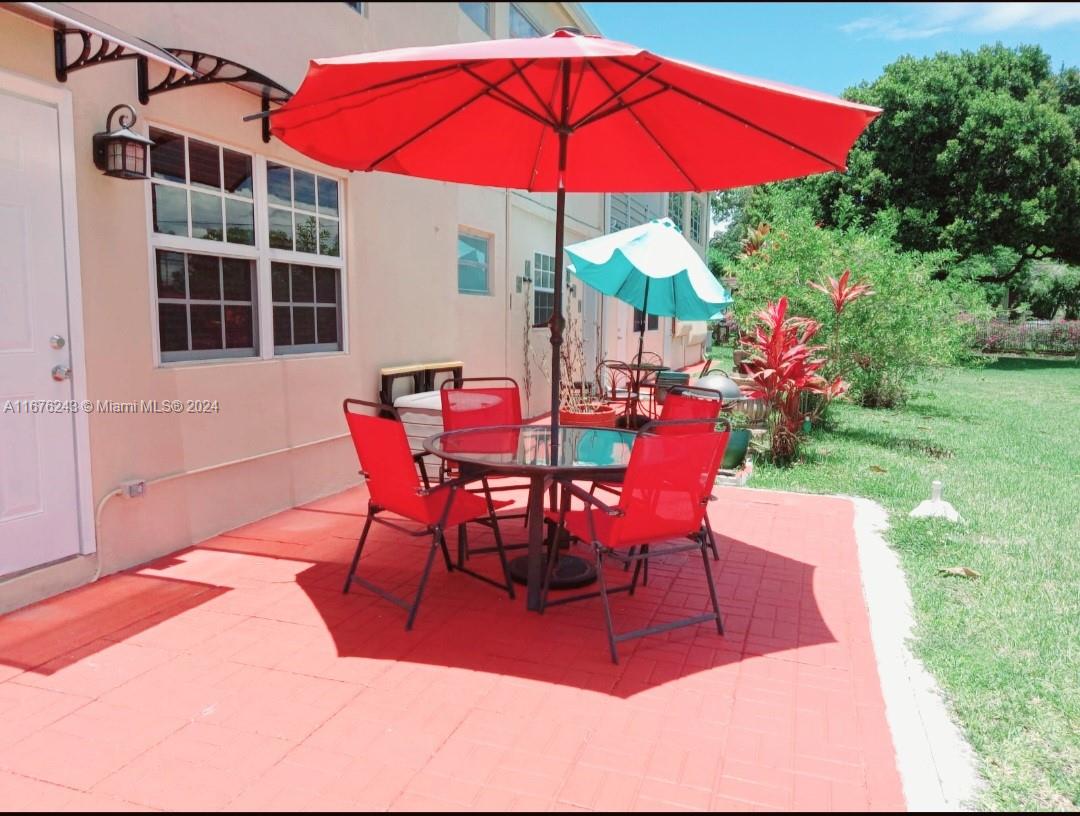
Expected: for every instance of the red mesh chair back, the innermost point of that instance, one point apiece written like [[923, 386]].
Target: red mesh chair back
[[686, 403], [668, 482], [470, 405], [386, 460]]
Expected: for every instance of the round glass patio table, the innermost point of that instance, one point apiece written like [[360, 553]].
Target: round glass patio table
[[588, 454]]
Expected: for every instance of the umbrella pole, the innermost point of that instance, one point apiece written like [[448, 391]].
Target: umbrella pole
[[557, 312], [644, 322]]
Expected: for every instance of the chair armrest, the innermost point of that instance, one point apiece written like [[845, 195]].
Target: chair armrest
[[450, 484], [590, 499]]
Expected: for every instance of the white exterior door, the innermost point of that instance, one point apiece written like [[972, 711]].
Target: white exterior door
[[39, 513]]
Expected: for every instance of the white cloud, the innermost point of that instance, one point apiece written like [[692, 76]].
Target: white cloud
[[931, 19], [890, 28]]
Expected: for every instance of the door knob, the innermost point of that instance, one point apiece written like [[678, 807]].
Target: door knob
[[57, 342], [61, 373]]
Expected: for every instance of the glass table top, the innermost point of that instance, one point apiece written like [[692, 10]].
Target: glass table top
[[528, 447]]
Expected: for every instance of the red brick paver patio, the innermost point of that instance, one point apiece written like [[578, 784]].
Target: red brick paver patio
[[234, 675]]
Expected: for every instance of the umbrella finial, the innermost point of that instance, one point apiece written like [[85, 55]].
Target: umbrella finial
[[567, 31]]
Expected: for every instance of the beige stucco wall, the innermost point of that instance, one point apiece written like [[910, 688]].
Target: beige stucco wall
[[402, 303]]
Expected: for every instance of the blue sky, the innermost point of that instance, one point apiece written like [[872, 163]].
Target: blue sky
[[831, 46]]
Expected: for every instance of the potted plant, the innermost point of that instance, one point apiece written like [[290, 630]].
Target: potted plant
[[580, 399], [738, 440]]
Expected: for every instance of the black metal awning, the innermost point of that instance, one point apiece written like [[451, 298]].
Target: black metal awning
[[104, 43], [101, 41]]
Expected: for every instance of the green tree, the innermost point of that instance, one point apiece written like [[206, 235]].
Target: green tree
[[974, 151]]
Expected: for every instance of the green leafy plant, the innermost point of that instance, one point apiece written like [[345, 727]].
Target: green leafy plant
[[910, 325]]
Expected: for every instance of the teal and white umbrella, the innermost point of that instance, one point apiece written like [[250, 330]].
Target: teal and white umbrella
[[653, 268]]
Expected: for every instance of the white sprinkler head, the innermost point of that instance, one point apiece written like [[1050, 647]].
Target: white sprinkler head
[[935, 506]]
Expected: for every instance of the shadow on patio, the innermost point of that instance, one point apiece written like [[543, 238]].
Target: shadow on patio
[[236, 674]]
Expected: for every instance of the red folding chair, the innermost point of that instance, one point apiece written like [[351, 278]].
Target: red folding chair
[[668, 485], [394, 487], [482, 402], [683, 402]]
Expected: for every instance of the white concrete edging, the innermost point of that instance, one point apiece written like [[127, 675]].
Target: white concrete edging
[[937, 766]]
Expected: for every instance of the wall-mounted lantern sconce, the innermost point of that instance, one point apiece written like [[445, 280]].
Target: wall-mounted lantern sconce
[[121, 153]]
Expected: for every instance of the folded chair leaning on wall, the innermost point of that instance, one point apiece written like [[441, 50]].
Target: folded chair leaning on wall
[[394, 487], [664, 498]]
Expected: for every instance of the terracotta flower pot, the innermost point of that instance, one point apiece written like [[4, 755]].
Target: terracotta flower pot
[[602, 416]]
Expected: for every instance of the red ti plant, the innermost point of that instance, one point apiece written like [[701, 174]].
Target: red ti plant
[[782, 366], [841, 292], [754, 241]]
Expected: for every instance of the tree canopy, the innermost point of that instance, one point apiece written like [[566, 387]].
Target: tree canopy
[[975, 151]]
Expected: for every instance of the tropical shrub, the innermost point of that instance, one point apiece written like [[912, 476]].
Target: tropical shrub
[[782, 367], [910, 324], [1053, 336]]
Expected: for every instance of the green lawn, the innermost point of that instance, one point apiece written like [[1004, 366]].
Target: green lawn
[[1005, 441]]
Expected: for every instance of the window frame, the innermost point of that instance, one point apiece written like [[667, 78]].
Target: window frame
[[490, 17], [260, 253], [680, 197], [536, 288], [488, 238], [514, 7], [695, 228]]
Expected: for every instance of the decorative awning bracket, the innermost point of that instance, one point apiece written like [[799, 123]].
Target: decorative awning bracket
[[185, 68], [208, 70], [107, 51]]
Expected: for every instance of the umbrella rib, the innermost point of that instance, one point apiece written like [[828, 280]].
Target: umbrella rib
[[623, 106], [617, 95], [502, 96], [543, 135], [536, 94], [648, 131], [485, 92], [742, 120]]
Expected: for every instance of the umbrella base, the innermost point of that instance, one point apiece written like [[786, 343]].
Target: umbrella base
[[571, 572]]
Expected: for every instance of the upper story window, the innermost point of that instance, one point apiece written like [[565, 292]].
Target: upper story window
[[359, 8], [201, 190], [521, 25], [247, 253], [479, 13], [675, 209], [474, 263], [695, 219]]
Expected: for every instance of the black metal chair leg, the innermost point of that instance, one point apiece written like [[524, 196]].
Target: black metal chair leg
[[498, 540], [712, 587], [712, 538], [436, 535], [645, 561], [637, 572], [553, 549], [359, 549], [607, 607], [462, 544], [630, 554], [445, 552]]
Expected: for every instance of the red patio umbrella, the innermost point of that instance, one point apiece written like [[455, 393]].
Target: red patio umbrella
[[565, 112]]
